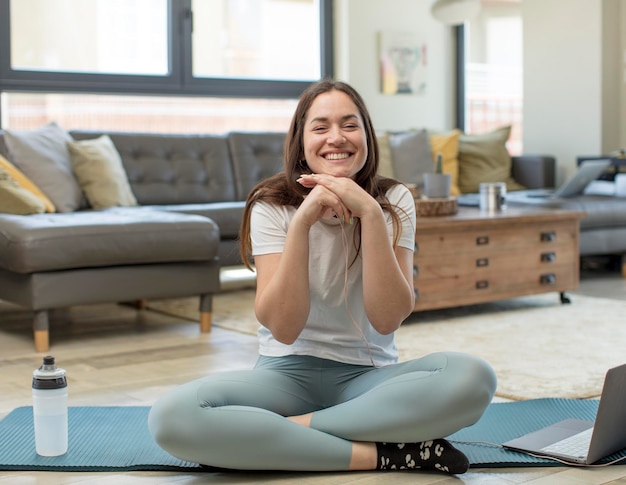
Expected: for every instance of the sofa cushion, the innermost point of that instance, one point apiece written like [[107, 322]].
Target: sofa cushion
[[411, 156], [601, 211], [16, 200], [42, 154], [485, 158], [255, 156], [111, 237], [25, 183], [447, 144], [227, 215], [100, 173]]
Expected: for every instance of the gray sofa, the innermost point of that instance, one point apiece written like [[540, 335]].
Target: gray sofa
[[191, 192]]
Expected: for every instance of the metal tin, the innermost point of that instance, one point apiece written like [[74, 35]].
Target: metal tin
[[492, 197]]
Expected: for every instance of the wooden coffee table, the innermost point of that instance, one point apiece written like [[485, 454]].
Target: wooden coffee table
[[476, 257]]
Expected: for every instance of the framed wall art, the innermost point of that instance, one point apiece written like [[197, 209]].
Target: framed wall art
[[403, 63]]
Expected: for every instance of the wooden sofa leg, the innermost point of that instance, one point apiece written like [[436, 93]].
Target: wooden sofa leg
[[206, 308], [41, 331], [205, 322], [623, 265]]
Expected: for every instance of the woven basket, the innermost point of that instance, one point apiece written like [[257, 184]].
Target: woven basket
[[435, 207]]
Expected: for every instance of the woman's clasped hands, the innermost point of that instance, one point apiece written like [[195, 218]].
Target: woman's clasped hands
[[332, 196]]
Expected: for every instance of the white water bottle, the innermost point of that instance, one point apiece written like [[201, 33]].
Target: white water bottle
[[50, 408]]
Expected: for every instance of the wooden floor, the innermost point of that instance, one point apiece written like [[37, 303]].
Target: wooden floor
[[116, 355]]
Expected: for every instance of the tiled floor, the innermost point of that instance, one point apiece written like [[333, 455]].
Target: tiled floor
[[119, 356]]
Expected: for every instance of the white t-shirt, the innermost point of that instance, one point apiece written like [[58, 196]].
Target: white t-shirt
[[331, 332]]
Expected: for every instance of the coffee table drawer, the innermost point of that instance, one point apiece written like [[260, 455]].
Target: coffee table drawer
[[468, 289], [477, 263], [523, 236]]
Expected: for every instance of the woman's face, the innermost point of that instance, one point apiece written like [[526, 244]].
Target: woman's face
[[334, 136]]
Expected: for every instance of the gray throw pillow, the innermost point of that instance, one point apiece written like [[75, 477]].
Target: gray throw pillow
[[42, 154], [411, 156]]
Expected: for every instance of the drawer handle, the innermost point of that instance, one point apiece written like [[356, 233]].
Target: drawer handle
[[548, 257], [416, 248], [482, 262], [548, 279], [548, 236], [416, 270], [482, 240], [482, 285], [416, 292]]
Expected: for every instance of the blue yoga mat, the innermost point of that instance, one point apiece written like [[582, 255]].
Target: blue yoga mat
[[117, 438]]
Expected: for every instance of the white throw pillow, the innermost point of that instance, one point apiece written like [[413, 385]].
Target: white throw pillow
[[100, 173]]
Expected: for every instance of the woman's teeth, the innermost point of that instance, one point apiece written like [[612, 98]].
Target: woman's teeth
[[336, 156]]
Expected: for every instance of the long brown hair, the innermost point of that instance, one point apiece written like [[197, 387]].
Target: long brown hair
[[283, 189]]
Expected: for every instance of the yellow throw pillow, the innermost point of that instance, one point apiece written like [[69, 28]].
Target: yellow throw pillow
[[25, 183], [485, 158], [16, 200], [448, 145], [385, 167], [100, 173]]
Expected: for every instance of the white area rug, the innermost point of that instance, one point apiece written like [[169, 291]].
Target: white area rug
[[537, 346]]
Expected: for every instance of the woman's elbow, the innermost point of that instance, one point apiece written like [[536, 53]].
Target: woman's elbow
[[284, 333], [389, 322], [386, 325], [286, 338]]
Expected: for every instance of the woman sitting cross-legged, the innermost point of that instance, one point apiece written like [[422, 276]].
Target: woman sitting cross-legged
[[332, 243]]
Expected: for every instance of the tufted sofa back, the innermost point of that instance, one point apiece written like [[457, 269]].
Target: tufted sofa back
[[168, 169], [174, 169], [255, 156]]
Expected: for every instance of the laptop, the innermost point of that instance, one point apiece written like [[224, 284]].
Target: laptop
[[594, 440], [574, 186]]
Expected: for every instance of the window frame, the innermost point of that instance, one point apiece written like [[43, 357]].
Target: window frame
[[179, 81], [460, 58]]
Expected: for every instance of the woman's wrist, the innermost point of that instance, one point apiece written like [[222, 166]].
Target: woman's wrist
[[372, 214]]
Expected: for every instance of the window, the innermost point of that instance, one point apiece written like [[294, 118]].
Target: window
[[258, 39], [90, 36], [70, 59], [491, 71]]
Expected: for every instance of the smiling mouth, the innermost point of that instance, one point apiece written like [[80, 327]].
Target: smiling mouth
[[336, 156]]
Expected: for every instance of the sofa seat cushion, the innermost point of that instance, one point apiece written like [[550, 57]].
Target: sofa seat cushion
[[227, 215], [112, 237], [602, 211]]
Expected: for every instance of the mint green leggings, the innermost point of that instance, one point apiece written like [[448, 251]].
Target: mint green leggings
[[237, 419]]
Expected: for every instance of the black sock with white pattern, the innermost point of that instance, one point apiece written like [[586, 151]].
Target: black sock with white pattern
[[426, 455]]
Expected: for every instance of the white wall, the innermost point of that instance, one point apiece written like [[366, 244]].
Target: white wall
[[571, 99], [357, 23]]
